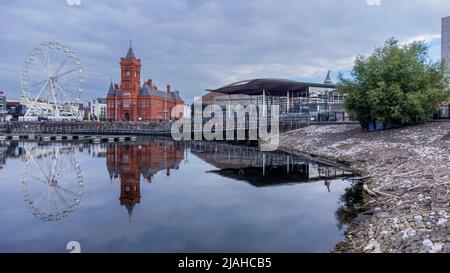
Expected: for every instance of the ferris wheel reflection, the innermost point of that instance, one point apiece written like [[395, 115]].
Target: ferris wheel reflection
[[51, 181]]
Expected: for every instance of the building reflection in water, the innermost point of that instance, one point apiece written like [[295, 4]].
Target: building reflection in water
[[248, 164], [130, 162]]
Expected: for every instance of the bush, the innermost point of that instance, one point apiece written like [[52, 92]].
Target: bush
[[397, 84]]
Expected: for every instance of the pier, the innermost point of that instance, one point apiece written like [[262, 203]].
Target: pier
[[65, 137]]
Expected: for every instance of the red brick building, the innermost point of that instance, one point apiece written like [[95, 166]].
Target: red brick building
[[132, 102]]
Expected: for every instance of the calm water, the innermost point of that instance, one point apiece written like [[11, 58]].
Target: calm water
[[162, 196]]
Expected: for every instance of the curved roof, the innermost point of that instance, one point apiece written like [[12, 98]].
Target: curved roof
[[256, 86]]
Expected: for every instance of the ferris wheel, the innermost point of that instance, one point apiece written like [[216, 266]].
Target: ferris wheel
[[51, 182], [52, 83]]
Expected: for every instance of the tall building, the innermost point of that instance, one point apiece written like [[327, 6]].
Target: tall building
[[132, 101], [445, 41]]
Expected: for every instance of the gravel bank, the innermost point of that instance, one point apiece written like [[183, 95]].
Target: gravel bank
[[407, 180]]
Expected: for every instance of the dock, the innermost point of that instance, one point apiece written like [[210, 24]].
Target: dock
[[63, 137]]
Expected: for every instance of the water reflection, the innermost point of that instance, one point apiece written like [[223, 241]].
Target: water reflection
[[248, 164], [131, 161], [51, 179], [221, 196]]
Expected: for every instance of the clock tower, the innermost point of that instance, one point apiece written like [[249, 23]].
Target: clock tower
[[130, 85]]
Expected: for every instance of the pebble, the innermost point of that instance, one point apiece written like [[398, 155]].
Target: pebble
[[441, 222]]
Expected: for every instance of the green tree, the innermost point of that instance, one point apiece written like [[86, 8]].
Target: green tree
[[397, 84]]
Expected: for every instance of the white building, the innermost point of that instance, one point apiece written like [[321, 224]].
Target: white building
[[97, 108]]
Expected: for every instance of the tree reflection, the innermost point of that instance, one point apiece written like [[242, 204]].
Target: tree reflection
[[350, 204]]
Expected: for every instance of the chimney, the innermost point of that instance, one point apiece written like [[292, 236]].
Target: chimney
[[168, 88], [116, 86], [149, 83]]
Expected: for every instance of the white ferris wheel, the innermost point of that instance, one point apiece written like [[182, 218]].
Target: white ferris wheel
[[52, 82]]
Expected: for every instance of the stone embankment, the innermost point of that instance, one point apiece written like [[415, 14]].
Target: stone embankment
[[406, 176]]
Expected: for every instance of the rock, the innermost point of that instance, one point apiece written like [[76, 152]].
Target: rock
[[409, 233], [418, 218], [373, 247], [437, 247], [381, 215], [441, 222], [427, 243]]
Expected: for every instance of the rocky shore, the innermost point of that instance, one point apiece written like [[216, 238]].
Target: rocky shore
[[406, 176]]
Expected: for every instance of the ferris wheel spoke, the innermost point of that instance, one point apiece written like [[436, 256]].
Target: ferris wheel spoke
[[62, 170], [61, 66], [54, 200], [38, 58], [39, 167], [37, 98], [53, 168], [66, 190], [39, 83], [67, 72], [41, 197], [40, 179], [47, 55], [62, 91], [67, 99], [62, 199]]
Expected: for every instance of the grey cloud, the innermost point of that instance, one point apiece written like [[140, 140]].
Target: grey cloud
[[204, 44]]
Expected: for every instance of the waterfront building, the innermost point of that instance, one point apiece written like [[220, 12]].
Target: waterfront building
[[132, 101], [2, 106], [15, 109], [97, 108], [317, 101]]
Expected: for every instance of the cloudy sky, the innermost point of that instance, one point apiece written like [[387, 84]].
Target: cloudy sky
[[199, 44]]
